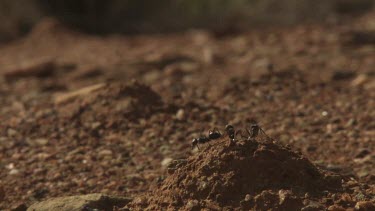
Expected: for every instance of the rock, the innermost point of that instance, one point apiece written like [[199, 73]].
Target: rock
[[365, 206], [80, 203], [359, 80], [140, 200], [180, 114], [166, 161], [364, 80], [96, 125], [151, 76], [336, 208], [248, 197], [14, 172], [41, 141], [247, 203], [11, 132], [105, 152], [192, 204], [313, 206], [287, 201]]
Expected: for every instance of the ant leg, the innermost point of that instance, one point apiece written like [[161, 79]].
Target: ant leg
[[252, 134], [264, 133], [209, 132], [201, 133], [216, 129], [237, 132], [232, 142], [243, 136], [248, 132]]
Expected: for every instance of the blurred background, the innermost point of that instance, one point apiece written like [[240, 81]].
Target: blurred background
[[143, 16]]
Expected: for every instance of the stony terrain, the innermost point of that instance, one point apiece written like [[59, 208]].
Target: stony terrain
[[84, 114]]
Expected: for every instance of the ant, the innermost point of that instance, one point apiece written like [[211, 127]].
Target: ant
[[212, 135], [232, 133], [229, 129], [255, 130]]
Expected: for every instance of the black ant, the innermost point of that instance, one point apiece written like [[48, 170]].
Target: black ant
[[212, 135], [255, 130], [232, 133], [229, 129]]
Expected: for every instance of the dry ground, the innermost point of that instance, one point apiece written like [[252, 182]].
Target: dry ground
[[73, 120]]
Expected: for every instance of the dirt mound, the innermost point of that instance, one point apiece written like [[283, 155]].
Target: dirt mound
[[130, 101], [224, 175], [98, 121]]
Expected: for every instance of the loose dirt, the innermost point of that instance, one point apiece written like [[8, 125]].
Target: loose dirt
[[83, 114], [240, 176]]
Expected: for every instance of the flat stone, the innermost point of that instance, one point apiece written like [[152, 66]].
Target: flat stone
[[80, 203]]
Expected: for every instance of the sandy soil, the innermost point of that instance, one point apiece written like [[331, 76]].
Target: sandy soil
[[83, 114]]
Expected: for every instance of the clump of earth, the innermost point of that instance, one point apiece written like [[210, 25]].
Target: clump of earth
[[248, 175]]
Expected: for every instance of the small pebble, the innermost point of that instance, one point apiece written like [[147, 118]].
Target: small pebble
[[95, 125], [166, 161], [11, 132], [41, 141], [283, 194], [140, 200], [247, 197], [192, 204], [335, 208], [10, 166], [14, 172], [105, 152], [359, 80], [180, 115]]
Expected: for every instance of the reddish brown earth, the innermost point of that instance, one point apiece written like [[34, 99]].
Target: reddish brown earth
[[74, 121], [241, 176]]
